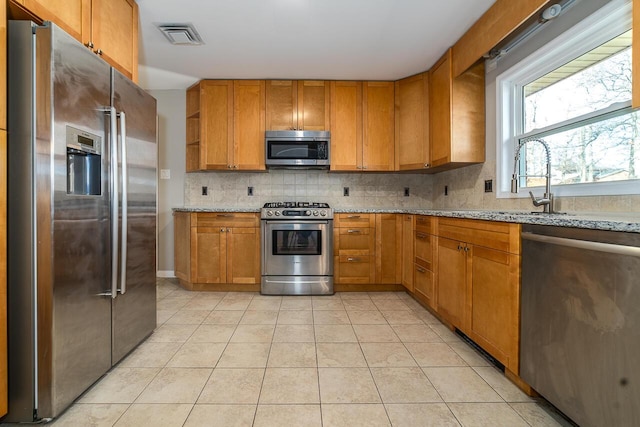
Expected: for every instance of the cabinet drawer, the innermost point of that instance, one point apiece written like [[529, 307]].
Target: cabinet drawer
[[424, 246], [354, 220], [502, 236], [354, 269], [354, 241], [424, 224], [423, 282], [226, 219]]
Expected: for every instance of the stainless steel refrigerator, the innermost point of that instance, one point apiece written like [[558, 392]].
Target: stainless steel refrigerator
[[81, 219]]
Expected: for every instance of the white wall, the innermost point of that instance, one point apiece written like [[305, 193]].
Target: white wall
[[171, 156]]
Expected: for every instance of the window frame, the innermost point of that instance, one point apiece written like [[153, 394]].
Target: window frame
[[608, 22]]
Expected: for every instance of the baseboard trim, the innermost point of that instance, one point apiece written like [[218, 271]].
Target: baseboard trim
[[165, 273]]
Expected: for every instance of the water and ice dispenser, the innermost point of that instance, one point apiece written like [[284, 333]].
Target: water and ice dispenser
[[84, 163]]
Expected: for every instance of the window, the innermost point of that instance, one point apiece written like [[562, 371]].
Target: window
[[575, 95]]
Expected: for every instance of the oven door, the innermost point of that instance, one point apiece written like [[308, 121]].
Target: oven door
[[297, 248]]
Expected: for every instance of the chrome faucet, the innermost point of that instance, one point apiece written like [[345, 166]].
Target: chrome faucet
[[547, 199]]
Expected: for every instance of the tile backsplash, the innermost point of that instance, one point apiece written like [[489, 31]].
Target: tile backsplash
[[372, 190], [378, 190]]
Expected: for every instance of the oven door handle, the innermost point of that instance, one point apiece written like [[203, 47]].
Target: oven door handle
[[296, 222]]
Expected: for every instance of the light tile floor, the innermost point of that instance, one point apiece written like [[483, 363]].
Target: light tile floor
[[351, 359]]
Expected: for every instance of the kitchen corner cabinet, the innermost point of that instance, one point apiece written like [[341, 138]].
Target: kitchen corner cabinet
[[388, 248], [456, 115], [225, 125], [362, 126], [423, 261], [108, 27], [412, 123], [217, 248], [478, 285], [298, 105], [407, 251], [354, 249]]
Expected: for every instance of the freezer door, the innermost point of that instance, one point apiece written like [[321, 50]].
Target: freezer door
[[59, 242], [134, 308]]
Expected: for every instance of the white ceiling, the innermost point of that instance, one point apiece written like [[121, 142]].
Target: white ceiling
[[300, 39]]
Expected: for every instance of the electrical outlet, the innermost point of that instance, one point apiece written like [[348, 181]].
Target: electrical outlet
[[345, 191], [406, 191], [446, 190], [205, 190], [249, 191], [488, 186]]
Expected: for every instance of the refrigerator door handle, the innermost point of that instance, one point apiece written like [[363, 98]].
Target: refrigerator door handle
[[125, 208], [114, 202]]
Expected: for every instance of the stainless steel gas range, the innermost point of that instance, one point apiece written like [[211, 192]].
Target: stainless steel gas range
[[297, 248]]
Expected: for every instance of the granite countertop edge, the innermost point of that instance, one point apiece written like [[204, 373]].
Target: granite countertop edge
[[601, 221]]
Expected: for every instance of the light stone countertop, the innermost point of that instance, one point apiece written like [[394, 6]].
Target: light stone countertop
[[625, 222]]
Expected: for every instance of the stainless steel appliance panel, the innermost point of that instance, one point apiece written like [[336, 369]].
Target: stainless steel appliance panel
[[297, 248], [580, 329], [134, 309], [68, 347]]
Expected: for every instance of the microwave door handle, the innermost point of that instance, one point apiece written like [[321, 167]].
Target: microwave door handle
[[113, 143], [125, 208]]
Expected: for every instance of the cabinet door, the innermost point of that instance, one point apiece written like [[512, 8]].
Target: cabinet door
[[388, 248], [346, 126], [216, 124], [243, 255], [495, 294], [440, 111], [249, 124], [378, 135], [452, 273], [281, 104], [114, 31], [407, 252], [70, 15], [181, 245], [313, 105], [412, 122], [208, 254]]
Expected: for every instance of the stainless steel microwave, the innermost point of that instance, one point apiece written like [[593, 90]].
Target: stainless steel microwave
[[297, 149]]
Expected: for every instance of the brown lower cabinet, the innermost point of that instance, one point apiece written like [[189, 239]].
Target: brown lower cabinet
[[478, 285], [217, 248]]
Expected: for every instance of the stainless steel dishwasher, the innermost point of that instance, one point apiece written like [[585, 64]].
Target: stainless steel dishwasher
[[580, 324]]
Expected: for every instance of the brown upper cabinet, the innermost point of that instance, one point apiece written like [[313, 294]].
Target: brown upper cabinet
[[108, 27], [225, 125], [412, 122], [362, 126], [456, 116], [297, 105]]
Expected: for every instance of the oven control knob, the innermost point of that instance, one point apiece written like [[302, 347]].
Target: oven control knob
[[323, 213], [307, 213], [315, 213], [277, 213], [269, 213]]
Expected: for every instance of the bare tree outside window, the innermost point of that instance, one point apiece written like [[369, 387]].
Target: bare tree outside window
[[604, 148]]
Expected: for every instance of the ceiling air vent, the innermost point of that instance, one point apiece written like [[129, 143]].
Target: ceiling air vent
[[180, 34]]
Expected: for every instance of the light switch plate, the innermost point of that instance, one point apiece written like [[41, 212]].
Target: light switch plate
[[165, 173]]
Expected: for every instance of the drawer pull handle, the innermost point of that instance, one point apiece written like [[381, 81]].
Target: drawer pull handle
[[351, 259], [350, 231], [421, 270], [353, 216], [224, 215], [421, 236]]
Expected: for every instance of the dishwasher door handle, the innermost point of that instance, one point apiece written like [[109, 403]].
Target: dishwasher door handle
[[583, 244]]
